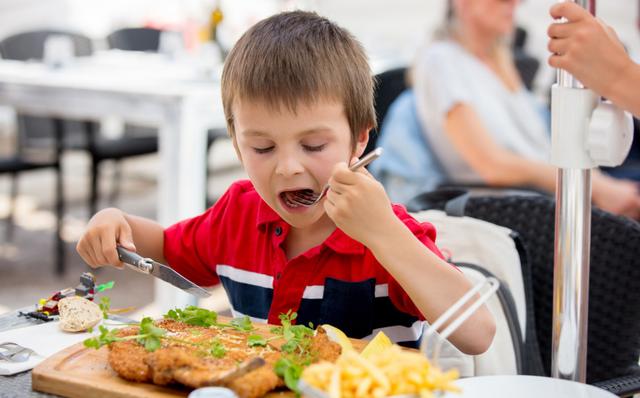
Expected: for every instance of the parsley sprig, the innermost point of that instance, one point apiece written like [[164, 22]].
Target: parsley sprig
[[297, 349], [105, 305], [197, 316], [290, 368], [148, 336], [297, 337]]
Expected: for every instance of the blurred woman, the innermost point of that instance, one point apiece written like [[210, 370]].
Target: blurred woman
[[483, 125]]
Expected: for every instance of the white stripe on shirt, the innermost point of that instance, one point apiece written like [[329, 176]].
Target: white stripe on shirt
[[242, 276], [316, 292]]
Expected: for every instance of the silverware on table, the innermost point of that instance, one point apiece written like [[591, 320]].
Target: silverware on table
[[12, 352]]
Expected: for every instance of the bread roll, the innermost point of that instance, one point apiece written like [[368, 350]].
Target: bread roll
[[78, 314]]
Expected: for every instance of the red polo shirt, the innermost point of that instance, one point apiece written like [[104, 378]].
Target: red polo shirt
[[238, 242]]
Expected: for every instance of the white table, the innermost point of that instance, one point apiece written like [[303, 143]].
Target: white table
[[525, 387], [182, 109]]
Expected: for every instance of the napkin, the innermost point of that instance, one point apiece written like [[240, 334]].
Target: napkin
[[45, 339]]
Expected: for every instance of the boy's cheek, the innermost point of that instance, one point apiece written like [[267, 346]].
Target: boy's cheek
[[237, 149]]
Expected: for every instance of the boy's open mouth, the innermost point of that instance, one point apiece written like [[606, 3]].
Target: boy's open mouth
[[292, 198]]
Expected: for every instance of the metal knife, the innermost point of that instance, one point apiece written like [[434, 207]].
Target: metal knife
[[160, 271]]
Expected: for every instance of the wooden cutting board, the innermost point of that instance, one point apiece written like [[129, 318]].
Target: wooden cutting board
[[84, 372]]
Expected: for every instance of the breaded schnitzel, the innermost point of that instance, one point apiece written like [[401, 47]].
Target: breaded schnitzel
[[197, 356]]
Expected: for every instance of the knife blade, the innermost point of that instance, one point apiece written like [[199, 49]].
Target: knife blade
[[160, 271]]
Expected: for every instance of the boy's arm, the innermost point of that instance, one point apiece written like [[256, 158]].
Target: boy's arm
[[112, 227], [148, 237], [359, 206], [431, 283]]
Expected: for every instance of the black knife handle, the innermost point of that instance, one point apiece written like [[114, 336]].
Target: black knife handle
[[135, 260]]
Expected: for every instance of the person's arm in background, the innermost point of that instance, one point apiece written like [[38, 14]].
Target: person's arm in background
[[591, 51], [498, 166]]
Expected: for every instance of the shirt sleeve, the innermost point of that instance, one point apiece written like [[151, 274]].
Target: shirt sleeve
[[426, 233], [439, 79], [193, 246]]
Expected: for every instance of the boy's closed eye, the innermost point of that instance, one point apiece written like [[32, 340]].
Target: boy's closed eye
[[313, 148], [306, 147], [263, 150]]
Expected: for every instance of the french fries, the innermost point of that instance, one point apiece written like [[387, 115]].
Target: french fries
[[383, 374]]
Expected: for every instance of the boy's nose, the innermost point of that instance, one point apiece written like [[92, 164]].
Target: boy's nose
[[288, 166]]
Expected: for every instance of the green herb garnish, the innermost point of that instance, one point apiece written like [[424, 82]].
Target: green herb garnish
[[241, 324], [149, 336], [290, 369], [255, 340], [193, 315], [297, 337], [105, 305], [197, 316], [217, 349]]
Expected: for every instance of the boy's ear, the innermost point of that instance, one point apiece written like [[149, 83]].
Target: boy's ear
[[363, 139]]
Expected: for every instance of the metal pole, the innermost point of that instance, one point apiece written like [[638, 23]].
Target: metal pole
[[571, 261]]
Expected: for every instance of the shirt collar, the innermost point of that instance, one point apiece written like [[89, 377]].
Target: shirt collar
[[266, 215], [338, 241]]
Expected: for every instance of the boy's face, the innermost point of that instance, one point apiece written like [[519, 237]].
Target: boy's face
[[286, 152]]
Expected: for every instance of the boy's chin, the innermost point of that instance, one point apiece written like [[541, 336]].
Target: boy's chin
[[302, 220]]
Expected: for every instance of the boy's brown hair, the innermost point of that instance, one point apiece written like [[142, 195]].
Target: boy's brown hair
[[299, 57]]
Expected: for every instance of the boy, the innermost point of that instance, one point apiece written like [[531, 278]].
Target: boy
[[298, 97]]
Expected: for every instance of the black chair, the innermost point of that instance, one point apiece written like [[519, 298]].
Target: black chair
[[614, 291], [526, 64], [49, 158], [135, 39], [77, 135], [389, 85], [148, 40]]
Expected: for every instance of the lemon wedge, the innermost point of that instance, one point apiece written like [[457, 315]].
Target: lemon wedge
[[378, 344], [338, 336]]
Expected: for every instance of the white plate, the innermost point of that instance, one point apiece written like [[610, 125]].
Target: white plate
[[525, 387]]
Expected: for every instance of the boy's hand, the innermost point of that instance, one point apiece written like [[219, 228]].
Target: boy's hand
[[358, 204], [105, 230]]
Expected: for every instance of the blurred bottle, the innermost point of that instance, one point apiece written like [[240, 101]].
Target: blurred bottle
[[209, 33]]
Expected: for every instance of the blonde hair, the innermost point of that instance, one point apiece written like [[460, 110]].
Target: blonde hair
[[299, 57]]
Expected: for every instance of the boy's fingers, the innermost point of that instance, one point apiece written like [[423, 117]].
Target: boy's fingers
[[112, 254], [86, 257], [125, 237], [342, 175], [101, 254], [571, 11]]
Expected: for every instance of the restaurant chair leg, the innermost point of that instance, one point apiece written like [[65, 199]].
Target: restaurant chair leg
[[13, 198]]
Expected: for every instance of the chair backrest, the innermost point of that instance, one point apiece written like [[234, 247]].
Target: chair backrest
[[526, 64], [27, 46], [135, 39], [494, 251], [389, 85], [614, 284]]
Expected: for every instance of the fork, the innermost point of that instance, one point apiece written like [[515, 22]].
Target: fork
[[13, 352], [309, 198]]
